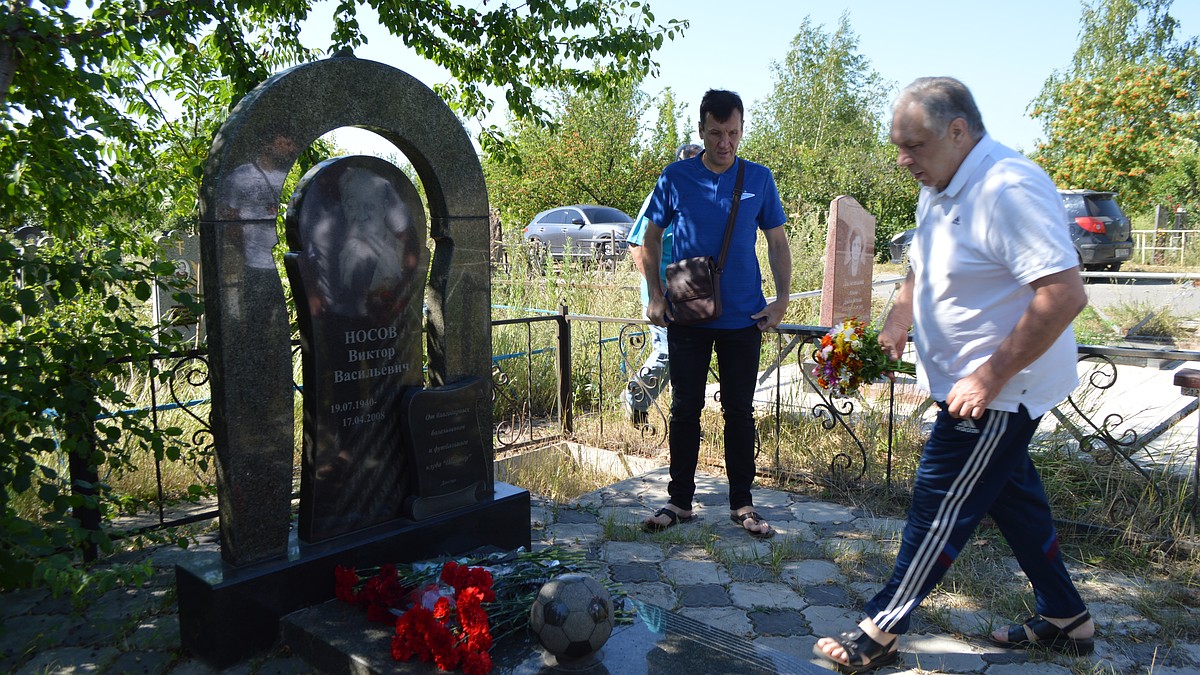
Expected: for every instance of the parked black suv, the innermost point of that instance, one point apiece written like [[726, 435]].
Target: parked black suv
[[1099, 229]]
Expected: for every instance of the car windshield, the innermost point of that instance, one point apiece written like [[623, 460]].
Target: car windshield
[[605, 214]]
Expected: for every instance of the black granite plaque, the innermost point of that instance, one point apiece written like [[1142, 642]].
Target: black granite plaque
[[355, 230], [450, 466]]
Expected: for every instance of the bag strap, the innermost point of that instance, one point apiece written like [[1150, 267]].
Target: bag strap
[[733, 209]]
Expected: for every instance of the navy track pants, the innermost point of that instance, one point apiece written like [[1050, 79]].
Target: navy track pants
[[969, 468]]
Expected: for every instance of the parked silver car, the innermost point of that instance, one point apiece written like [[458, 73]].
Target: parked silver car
[[580, 230]]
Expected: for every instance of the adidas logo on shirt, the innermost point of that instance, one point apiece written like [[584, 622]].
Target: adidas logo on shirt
[[967, 426]]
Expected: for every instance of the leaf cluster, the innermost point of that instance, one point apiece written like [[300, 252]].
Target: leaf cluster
[[591, 46], [72, 322], [823, 131], [1127, 109]]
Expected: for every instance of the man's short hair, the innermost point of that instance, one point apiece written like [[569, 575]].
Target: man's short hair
[[720, 103], [687, 151], [944, 99]]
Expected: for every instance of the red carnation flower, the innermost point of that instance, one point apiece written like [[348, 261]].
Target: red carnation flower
[[477, 663], [345, 578]]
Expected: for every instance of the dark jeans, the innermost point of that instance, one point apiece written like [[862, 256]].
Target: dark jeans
[[690, 349]]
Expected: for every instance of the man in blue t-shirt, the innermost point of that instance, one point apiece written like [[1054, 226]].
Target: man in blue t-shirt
[[647, 383], [694, 196]]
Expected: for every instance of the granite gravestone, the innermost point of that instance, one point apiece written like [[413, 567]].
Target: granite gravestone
[[849, 262], [356, 230], [230, 603], [183, 250]]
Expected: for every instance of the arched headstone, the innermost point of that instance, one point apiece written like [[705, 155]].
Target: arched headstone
[[230, 608], [249, 336]]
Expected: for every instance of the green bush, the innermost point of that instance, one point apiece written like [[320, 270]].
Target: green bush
[[70, 314]]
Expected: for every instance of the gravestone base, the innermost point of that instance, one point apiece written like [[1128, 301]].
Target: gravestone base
[[228, 613]]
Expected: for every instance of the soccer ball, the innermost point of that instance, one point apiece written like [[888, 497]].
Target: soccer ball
[[572, 616]]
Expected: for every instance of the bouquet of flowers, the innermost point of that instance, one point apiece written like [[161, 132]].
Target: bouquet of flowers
[[850, 356], [451, 612]]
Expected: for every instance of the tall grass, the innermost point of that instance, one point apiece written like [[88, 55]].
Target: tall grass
[[1178, 248]]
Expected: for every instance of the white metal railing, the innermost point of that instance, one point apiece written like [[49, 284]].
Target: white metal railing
[[1167, 241]]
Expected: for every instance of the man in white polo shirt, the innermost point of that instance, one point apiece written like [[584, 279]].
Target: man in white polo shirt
[[993, 288]]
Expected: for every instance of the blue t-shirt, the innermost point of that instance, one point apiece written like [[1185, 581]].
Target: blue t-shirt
[[637, 237], [696, 201]]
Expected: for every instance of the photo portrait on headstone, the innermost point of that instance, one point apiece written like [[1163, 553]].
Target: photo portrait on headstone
[[854, 257], [354, 228], [378, 255]]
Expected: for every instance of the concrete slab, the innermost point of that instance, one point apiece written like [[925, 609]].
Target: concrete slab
[[687, 572]]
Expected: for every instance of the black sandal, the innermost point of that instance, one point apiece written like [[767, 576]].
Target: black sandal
[[1048, 636], [673, 520], [752, 515], [862, 652]]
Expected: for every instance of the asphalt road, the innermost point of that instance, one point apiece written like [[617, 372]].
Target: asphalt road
[[1104, 290], [1181, 295]]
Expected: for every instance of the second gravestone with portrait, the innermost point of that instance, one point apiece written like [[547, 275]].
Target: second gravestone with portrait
[[849, 262]]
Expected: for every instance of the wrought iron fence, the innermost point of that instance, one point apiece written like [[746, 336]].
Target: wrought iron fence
[[1108, 473], [560, 376]]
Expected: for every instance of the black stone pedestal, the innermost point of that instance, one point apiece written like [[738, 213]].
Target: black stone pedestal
[[228, 613]]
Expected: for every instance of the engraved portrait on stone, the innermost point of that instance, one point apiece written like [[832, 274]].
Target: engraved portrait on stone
[[355, 230]]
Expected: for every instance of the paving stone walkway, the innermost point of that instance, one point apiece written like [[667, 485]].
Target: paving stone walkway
[[782, 594]]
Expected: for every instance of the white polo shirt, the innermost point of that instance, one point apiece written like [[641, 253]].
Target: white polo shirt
[[997, 226]]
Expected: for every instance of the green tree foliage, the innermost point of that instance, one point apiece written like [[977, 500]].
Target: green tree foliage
[[1179, 184], [1127, 109], [588, 45], [594, 153], [106, 114], [822, 131], [672, 127]]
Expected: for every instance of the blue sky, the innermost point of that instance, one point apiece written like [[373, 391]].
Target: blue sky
[[1003, 51]]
